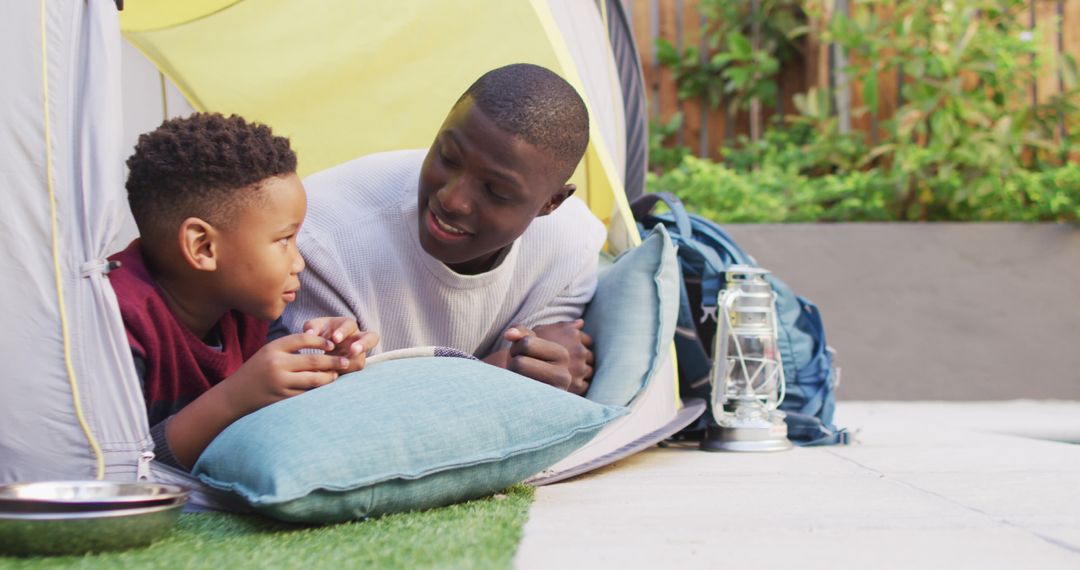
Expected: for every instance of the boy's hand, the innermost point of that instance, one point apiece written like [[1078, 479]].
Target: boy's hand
[[578, 345], [276, 372], [273, 373], [347, 338], [540, 359]]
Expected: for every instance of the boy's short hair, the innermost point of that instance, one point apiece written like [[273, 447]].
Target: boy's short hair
[[194, 166], [534, 103]]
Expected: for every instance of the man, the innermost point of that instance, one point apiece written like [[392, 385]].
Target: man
[[475, 244]]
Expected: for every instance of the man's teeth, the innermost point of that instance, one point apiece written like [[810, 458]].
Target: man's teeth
[[447, 227]]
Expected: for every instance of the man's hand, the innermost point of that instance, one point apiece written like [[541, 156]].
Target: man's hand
[[276, 372], [540, 359], [578, 346], [347, 338]]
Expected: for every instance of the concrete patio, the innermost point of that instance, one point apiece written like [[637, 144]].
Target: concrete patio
[[926, 485]]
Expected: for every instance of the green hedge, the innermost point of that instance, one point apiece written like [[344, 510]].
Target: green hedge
[[772, 193], [965, 141]]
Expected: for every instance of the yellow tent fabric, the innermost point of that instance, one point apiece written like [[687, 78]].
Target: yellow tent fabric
[[142, 15], [344, 78]]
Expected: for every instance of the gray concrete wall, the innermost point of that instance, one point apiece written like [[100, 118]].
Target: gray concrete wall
[[938, 311]]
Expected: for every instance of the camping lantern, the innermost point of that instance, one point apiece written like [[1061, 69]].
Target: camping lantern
[[747, 376]]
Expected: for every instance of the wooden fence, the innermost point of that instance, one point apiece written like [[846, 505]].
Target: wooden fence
[[680, 22]]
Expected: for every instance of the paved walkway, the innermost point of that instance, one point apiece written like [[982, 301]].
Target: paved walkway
[[927, 485]]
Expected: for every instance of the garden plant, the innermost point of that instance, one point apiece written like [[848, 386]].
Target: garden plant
[[967, 141]]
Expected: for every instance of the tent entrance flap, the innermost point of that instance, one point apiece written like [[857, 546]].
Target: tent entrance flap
[[72, 407]]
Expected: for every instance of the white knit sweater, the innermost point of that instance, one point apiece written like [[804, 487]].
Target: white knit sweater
[[364, 259]]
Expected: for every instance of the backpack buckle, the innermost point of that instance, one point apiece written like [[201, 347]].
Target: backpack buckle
[[708, 312]]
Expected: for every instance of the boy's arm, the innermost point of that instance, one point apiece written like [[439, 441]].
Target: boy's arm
[[162, 452], [273, 373]]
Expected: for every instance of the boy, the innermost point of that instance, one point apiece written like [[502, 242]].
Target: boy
[[218, 205], [475, 244]]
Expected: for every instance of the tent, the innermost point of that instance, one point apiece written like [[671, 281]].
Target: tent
[[341, 78], [72, 406]]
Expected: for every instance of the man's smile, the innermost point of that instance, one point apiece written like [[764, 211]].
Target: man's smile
[[443, 229]]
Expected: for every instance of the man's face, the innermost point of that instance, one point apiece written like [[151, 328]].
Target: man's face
[[258, 261], [480, 188]]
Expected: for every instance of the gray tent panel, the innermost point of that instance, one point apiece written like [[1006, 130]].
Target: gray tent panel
[[632, 81], [578, 21], [72, 406]]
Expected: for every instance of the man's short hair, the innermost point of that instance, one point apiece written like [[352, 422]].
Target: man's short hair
[[196, 166], [534, 103]]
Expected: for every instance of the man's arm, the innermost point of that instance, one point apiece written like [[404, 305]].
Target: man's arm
[[559, 354], [531, 353], [581, 237]]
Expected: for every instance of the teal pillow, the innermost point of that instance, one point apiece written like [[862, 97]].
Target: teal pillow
[[632, 318], [399, 435]]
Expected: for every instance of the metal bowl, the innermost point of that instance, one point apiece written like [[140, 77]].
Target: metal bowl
[[73, 517], [68, 496]]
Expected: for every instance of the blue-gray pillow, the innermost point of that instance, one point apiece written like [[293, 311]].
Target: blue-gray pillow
[[399, 435], [632, 318]]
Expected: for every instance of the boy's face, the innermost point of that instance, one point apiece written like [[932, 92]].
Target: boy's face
[[480, 188], [258, 260]]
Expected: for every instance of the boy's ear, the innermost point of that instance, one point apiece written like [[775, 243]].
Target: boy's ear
[[557, 199], [198, 244]]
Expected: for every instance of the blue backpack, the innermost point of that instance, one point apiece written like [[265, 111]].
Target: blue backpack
[[705, 251]]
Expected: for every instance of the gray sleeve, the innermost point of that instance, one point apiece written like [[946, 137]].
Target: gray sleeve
[[324, 288], [570, 304], [140, 369], [162, 452], [580, 286], [277, 330]]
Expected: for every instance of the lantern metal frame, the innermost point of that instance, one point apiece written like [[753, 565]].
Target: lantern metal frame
[[746, 414]]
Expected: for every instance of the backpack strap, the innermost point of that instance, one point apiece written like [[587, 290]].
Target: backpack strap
[[644, 204], [710, 240], [723, 240], [712, 266], [807, 431]]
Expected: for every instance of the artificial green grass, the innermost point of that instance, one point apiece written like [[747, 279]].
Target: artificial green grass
[[477, 534]]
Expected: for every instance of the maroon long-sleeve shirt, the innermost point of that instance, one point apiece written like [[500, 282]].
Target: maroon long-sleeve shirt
[[177, 366]]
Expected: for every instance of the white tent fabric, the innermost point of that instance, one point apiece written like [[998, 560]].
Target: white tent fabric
[[71, 405]]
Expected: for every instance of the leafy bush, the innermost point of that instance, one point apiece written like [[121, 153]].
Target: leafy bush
[[965, 143], [732, 69], [774, 193], [966, 120], [664, 154]]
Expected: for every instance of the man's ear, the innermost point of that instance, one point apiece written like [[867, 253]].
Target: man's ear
[[557, 199], [198, 244]]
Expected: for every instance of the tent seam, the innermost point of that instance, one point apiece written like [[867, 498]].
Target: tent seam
[[53, 223]]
